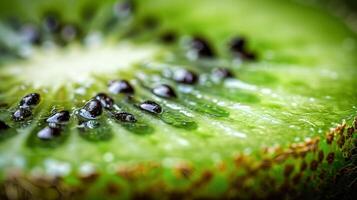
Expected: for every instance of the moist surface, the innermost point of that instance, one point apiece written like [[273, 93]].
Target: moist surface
[[302, 83]]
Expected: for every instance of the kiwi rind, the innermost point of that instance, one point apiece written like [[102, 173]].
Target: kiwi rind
[[186, 170], [276, 173]]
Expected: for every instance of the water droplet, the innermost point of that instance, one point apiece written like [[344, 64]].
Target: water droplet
[[91, 124]]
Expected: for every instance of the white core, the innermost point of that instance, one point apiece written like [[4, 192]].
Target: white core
[[55, 67]]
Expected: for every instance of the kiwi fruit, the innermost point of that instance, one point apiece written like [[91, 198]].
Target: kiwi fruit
[[169, 99]]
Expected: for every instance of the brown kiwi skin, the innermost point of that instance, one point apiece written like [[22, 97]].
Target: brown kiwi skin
[[303, 167]]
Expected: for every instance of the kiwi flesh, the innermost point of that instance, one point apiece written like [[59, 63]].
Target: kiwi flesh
[[158, 99]]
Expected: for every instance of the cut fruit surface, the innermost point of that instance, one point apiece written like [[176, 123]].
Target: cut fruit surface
[[56, 67], [237, 78]]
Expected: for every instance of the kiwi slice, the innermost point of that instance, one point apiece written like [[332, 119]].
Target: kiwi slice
[[169, 99]]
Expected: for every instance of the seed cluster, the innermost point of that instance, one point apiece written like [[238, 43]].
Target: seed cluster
[[52, 28], [201, 48], [293, 174], [95, 107], [26, 105]]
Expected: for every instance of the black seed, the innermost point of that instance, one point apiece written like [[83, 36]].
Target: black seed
[[164, 90], [201, 48], [320, 156], [3, 105], [354, 151], [3, 125], [125, 117], [150, 22], [168, 37], [330, 157], [222, 73], [123, 9], [59, 118], [122, 86], [248, 56], [350, 131], [51, 23], [21, 114], [185, 76], [303, 166], [151, 107], [238, 45], [91, 110], [94, 108], [48, 133], [239, 48], [31, 34], [69, 33], [106, 101], [288, 170], [30, 100], [313, 165]]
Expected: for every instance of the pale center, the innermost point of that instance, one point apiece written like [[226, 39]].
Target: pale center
[[77, 64]]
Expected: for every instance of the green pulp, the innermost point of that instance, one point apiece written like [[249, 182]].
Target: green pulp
[[302, 84]]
